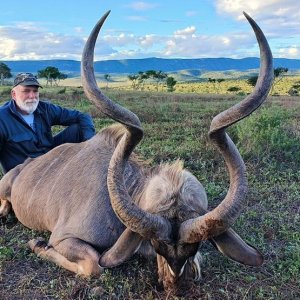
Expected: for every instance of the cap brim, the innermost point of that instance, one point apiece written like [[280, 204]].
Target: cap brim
[[29, 84]]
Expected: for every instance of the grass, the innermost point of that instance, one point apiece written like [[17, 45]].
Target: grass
[[176, 126]]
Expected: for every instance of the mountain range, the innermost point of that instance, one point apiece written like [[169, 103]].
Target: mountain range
[[133, 66]]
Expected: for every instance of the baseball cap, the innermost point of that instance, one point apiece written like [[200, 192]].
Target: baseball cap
[[26, 79]]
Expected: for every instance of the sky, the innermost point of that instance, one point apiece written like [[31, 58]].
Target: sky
[[58, 29]]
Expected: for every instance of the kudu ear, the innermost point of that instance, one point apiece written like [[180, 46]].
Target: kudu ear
[[231, 245], [126, 245]]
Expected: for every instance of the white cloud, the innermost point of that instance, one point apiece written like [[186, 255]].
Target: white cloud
[[27, 41], [275, 15], [121, 40], [186, 31], [291, 52], [32, 43], [204, 46], [149, 40], [8, 47], [280, 21], [236, 7]]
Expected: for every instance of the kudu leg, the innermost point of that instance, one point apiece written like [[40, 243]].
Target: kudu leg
[[71, 254], [6, 183], [5, 207]]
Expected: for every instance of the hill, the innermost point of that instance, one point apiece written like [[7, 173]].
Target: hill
[[132, 66]]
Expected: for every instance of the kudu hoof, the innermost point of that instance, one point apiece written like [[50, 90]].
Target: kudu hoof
[[37, 245]]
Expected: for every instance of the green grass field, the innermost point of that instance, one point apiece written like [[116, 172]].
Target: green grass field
[[176, 126]]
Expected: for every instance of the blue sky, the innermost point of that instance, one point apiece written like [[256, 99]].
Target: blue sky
[[57, 29]]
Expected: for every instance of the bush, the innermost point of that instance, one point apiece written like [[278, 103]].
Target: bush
[[233, 89], [5, 91], [265, 133], [61, 91], [293, 92]]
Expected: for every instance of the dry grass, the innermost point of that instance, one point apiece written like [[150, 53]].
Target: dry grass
[[204, 87]]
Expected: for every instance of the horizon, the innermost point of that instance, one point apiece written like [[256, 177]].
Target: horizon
[[167, 65], [142, 29], [145, 58]]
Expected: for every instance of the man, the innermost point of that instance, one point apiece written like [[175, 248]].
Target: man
[[25, 124]]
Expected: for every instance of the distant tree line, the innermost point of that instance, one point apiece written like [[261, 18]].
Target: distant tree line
[[51, 74], [139, 80]]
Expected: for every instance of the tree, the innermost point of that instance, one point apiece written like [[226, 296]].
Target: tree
[[171, 82], [278, 72], [138, 80], [52, 75], [157, 76], [4, 72], [278, 76], [107, 78], [61, 76], [141, 79], [214, 81], [134, 81], [252, 80]]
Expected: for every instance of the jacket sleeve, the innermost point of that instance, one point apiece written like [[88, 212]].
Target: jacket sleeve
[[66, 117], [1, 138]]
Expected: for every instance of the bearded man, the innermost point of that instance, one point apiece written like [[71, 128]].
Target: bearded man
[[25, 124]]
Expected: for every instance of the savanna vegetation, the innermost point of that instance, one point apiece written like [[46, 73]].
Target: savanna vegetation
[[176, 126], [219, 84], [5, 72], [186, 81], [52, 75], [287, 85]]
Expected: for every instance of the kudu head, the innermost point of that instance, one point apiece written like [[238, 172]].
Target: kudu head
[[176, 234]]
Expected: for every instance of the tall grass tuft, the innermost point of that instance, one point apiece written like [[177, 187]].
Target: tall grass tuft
[[265, 133]]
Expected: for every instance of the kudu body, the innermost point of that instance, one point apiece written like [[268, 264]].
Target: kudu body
[[102, 204]]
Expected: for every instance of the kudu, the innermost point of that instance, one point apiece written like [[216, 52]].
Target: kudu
[[102, 204]]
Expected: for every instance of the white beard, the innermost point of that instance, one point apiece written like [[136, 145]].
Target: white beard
[[28, 106]]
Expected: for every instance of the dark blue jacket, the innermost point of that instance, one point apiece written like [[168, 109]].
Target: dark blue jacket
[[19, 141]]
